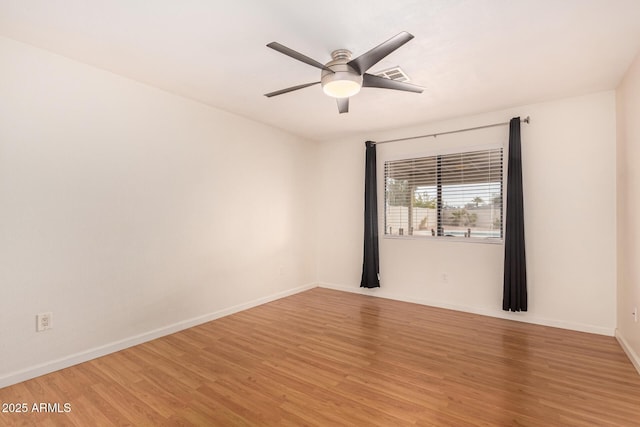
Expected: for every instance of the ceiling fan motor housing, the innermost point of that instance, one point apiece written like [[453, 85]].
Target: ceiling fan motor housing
[[344, 81]]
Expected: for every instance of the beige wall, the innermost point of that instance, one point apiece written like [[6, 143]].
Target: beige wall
[[569, 182], [628, 204], [129, 212]]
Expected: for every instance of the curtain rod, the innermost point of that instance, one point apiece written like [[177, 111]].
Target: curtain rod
[[525, 120]]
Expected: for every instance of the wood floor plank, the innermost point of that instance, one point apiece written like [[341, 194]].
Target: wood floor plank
[[328, 358]]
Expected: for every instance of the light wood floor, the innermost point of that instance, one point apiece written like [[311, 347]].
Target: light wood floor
[[329, 358]]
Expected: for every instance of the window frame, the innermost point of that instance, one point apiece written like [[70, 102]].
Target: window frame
[[435, 154]]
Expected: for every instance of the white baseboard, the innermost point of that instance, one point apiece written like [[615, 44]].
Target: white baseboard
[[93, 353], [519, 317], [632, 355]]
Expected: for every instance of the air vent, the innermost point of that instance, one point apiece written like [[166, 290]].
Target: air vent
[[394, 73]]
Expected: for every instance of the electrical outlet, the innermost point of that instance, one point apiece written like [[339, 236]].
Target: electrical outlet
[[635, 314], [444, 277], [44, 321]]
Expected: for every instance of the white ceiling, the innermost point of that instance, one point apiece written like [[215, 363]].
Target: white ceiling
[[470, 56]]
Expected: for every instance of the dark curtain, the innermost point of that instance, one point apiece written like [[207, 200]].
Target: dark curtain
[[371, 261], [515, 265]]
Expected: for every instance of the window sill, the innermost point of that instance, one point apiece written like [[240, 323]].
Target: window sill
[[481, 240]]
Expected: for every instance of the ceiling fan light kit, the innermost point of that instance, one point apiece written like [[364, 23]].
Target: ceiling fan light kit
[[343, 77], [344, 81]]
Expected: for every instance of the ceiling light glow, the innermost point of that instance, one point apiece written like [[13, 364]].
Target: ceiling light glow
[[341, 88]]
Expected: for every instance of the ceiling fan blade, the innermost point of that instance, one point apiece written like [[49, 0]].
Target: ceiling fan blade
[[343, 105], [289, 89], [297, 55], [369, 80], [367, 60]]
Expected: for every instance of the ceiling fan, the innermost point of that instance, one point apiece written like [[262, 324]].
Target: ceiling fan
[[343, 77]]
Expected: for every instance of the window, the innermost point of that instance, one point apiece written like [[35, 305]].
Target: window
[[453, 195]]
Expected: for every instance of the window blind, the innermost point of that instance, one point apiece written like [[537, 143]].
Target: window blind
[[454, 195]]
